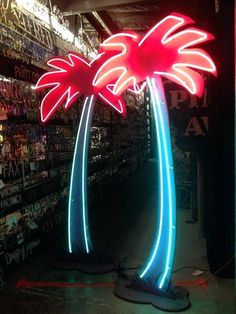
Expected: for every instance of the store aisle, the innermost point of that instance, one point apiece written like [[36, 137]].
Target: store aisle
[[122, 223]]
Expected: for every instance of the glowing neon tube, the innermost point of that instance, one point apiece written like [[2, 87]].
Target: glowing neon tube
[[160, 262], [79, 239]]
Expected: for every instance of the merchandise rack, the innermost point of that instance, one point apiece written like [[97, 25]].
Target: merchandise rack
[[36, 163]]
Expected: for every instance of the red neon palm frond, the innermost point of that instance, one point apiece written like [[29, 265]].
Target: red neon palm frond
[[185, 59], [162, 51], [106, 90], [106, 95], [71, 79], [165, 27], [66, 82], [118, 65]]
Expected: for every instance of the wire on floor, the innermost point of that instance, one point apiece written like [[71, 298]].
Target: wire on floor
[[203, 281], [221, 268]]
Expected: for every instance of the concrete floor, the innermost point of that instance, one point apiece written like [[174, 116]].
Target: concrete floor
[[124, 228]]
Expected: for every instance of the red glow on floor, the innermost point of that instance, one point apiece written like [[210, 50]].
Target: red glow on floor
[[25, 283], [197, 282]]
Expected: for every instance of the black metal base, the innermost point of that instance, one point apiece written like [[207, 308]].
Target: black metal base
[[174, 300], [93, 263]]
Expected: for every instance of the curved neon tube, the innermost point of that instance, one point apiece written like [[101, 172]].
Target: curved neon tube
[[160, 158], [161, 260], [84, 193], [179, 22], [78, 233], [108, 42], [72, 177], [170, 187]]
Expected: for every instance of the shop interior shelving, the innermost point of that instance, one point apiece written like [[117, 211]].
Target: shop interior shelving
[[35, 160]]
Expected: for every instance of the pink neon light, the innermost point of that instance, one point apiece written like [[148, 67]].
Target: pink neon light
[[174, 22], [107, 94], [126, 59], [112, 44], [159, 52], [73, 78]]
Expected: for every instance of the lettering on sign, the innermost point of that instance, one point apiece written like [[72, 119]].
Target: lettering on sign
[[14, 55], [21, 253], [15, 256], [197, 126], [13, 17], [180, 97], [189, 112], [27, 47], [12, 169], [8, 191], [10, 201], [23, 73], [177, 97]]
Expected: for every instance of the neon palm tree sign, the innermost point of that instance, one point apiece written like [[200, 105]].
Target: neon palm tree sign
[[126, 60], [161, 52], [72, 78]]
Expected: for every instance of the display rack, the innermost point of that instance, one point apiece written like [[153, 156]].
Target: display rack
[[35, 161]]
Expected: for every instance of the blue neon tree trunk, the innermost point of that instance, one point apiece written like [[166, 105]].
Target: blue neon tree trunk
[[160, 262], [79, 240]]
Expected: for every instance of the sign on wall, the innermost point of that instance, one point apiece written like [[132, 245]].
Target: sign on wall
[[14, 65], [189, 113], [13, 17]]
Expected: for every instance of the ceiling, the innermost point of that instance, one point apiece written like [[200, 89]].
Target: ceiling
[[101, 18]]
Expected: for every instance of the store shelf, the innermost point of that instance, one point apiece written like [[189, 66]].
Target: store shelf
[[36, 158]]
